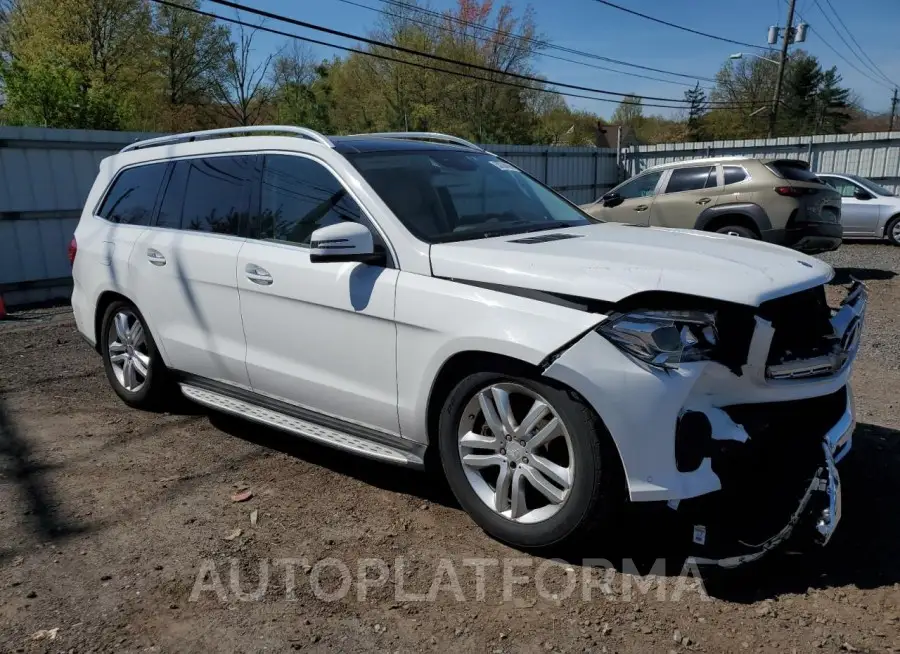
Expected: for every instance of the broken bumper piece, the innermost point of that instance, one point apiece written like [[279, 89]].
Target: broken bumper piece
[[763, 505], [820, 504]]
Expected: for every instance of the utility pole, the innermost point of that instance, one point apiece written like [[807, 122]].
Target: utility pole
[[894, 101], [786, 40]]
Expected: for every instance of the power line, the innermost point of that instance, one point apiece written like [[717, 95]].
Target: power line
[[319, 28], [545, 44], [521, 48], [872, 65], [269, 30], [835, 51], [680, 27], [454, 62]]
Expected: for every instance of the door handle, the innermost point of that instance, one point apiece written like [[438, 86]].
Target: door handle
[[641, 207], [258, 274], [155, 257], [704, 200]]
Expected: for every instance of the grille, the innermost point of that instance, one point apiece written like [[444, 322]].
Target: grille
[[802, 323]]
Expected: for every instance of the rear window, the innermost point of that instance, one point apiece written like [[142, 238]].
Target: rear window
[[794, 172]]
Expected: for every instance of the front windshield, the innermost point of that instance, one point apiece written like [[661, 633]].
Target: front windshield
[[448, 195], [877, 189]]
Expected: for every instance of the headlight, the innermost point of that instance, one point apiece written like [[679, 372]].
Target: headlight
[[664, 338]]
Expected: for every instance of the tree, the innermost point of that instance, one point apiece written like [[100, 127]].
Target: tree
[[74, 63], [301, 89], [241, 92], [629, 112], [190, 52], [697, 109], [835, 109]]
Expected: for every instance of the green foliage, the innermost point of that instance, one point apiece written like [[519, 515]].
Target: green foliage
[[135, 64]]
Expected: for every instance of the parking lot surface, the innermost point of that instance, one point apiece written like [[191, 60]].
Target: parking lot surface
[[130, 531]]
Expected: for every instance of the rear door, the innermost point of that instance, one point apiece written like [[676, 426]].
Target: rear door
[[688, 191], [630, 202], [858, 217], [184, 267]]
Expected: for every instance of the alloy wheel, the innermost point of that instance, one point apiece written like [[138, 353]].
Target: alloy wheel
[[516, 452], [127, 350]]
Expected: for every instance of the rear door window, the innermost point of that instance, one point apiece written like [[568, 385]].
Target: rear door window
[[794, 172], [132, 196], [210, 194], [693, 178], [846, 188]]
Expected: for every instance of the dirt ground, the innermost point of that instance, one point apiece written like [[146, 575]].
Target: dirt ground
[[120, 533]]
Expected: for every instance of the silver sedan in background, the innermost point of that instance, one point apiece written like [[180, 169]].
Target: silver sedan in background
[[868, 210]]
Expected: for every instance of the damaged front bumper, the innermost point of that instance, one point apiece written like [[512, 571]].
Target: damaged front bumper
[[758, 463]]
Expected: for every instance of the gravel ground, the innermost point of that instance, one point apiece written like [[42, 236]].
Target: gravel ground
[[110, 517]]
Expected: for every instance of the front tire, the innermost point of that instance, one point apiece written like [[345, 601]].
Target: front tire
[[531, 463], [132, 362]]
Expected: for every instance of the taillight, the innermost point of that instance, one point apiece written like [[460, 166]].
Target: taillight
[[73, 250], [795, 191]]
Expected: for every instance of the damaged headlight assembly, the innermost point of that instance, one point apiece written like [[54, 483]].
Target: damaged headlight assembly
[[662, 338]]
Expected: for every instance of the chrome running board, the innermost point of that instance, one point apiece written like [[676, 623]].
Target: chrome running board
[[403, 453]]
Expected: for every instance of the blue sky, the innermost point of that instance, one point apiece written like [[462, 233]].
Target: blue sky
[[592, 27]]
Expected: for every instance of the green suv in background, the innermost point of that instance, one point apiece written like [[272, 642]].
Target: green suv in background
[[776, 200]]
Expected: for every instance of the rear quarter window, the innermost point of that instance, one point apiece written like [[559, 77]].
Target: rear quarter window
[[131, 197]]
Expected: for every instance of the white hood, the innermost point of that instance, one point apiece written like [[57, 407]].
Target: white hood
[[611, 262]]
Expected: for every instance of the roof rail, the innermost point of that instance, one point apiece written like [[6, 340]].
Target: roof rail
[[188, 137], [426, 136]]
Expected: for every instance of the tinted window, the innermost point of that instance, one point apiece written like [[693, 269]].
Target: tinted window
[[299, 196], [131, 198], [208, 195], [846, 188], [793, 171], [691, 179], [639, 187], [449, 195], [734, 174]]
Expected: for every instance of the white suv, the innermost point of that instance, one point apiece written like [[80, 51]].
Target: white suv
[[390, 293]]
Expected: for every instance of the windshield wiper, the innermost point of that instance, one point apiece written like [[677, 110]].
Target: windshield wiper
[[534, 227]]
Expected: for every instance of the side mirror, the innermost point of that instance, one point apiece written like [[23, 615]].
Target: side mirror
[[860, 194], [612, 200], [344, 241]]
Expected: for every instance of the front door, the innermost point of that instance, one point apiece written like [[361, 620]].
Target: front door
[[183, 267], [858, 217], [688, 191], [319, 335], [629, 203]]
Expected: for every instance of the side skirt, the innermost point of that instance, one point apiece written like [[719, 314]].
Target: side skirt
[[323, 429]]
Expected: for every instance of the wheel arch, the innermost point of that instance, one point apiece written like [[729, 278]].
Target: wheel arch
[[103, 301], [744, 214], [889, 223], [467, 362], [456, 368]]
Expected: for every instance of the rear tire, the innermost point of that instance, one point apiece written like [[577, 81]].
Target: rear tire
[[737, 230], [892, 230], [131, 359], [563, 483]]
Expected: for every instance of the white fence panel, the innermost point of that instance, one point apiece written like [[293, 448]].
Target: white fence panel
[[875, 155]]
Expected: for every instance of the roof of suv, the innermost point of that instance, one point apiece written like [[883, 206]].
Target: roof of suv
[[363, 143], [725, 159]]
